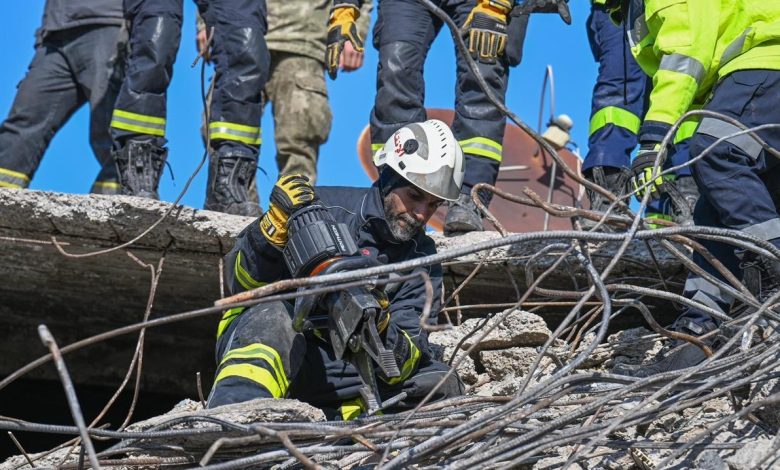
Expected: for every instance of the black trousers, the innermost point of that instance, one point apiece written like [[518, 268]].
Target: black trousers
[[70, 68], [259, 355]]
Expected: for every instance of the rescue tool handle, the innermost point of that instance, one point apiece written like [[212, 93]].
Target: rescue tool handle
[[350, 263]]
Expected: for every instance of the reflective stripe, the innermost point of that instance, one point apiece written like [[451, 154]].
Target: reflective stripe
[[768, 230], [375, 147], [254, 373], [410, 364], [638, 31], [720, 129], [105, 187], [701, 286], [13, 179], [705, 299], [351, 409], [734, 48], [267, 354], [683, 64], [483, 147], [141, 123], [238, 132], [505, 4], [228, 318], [243, 277], [685, 131], [657, 216], [615, 116]]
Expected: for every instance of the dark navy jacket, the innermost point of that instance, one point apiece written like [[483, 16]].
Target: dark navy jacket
[[254, 262]]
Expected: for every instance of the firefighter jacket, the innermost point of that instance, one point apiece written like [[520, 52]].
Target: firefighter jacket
[[59, 15], [688, 46], [253, 262]]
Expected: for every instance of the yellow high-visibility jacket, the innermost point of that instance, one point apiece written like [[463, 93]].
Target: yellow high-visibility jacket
[[686, 46]]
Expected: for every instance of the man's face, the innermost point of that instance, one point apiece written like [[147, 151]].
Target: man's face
[[408, 209]]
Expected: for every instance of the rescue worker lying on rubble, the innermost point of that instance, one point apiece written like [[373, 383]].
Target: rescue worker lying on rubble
[[727, 52], [259, 355]]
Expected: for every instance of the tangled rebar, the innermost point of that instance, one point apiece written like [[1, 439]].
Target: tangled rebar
[[563, 409]]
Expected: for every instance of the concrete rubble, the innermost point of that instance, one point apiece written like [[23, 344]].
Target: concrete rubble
[[78, 297]]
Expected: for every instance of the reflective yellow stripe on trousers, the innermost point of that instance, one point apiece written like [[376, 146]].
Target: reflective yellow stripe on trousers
[[615, 116], [276, 385], [140, 123], [483, 147], [13, 179], [238, 132]]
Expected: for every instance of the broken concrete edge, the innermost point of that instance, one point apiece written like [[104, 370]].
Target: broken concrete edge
[[117, 219]]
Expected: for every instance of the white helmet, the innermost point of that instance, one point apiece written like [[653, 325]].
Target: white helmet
[[427, 155]]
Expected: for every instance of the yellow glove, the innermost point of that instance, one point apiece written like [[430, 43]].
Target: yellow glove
[[341, 28], [290, 193], [383, 319], [486, 29]]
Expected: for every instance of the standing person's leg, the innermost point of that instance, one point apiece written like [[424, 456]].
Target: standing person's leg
[[479, 128], [403, 34], [45, 98], [617, 107], [139, 118], [241, 61], [735, 193], [302, 116], [98, 63]]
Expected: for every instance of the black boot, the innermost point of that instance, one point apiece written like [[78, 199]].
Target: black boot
[[612, 179], [678, 354], [139, 165], [761, 276], [462, 216], [684, 193], [231, 175]]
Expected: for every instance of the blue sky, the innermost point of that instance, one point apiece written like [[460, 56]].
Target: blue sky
[[69, 165]]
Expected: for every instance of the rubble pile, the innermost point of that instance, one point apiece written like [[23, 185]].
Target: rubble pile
[[518, 412]]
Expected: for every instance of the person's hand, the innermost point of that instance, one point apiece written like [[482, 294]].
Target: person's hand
[[644, 173], [351, 59], [547, 6], [201, 42], [290, 193], [485, 29], [341, 29]]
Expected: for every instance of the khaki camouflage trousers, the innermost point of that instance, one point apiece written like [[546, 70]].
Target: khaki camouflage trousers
[[302, 117]]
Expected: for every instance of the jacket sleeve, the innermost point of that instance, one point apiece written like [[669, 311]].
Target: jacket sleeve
[[355, 3], [364, 21], [685, 38], [404, 336], [253, 262]]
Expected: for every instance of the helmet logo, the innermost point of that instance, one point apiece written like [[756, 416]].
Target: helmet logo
[[411, 146], [397, 144]]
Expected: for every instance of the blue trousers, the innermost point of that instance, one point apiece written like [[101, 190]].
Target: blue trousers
[[738, 180]]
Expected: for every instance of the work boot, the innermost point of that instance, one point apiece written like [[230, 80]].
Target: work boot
[[678, 354], [231, 175], [684, 193], [462, 216], [761, 276], [612, 179], [139, 165]]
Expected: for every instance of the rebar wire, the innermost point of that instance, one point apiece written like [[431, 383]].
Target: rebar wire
[[70, 393]]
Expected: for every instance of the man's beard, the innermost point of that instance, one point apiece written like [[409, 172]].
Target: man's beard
[[402, 231]]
